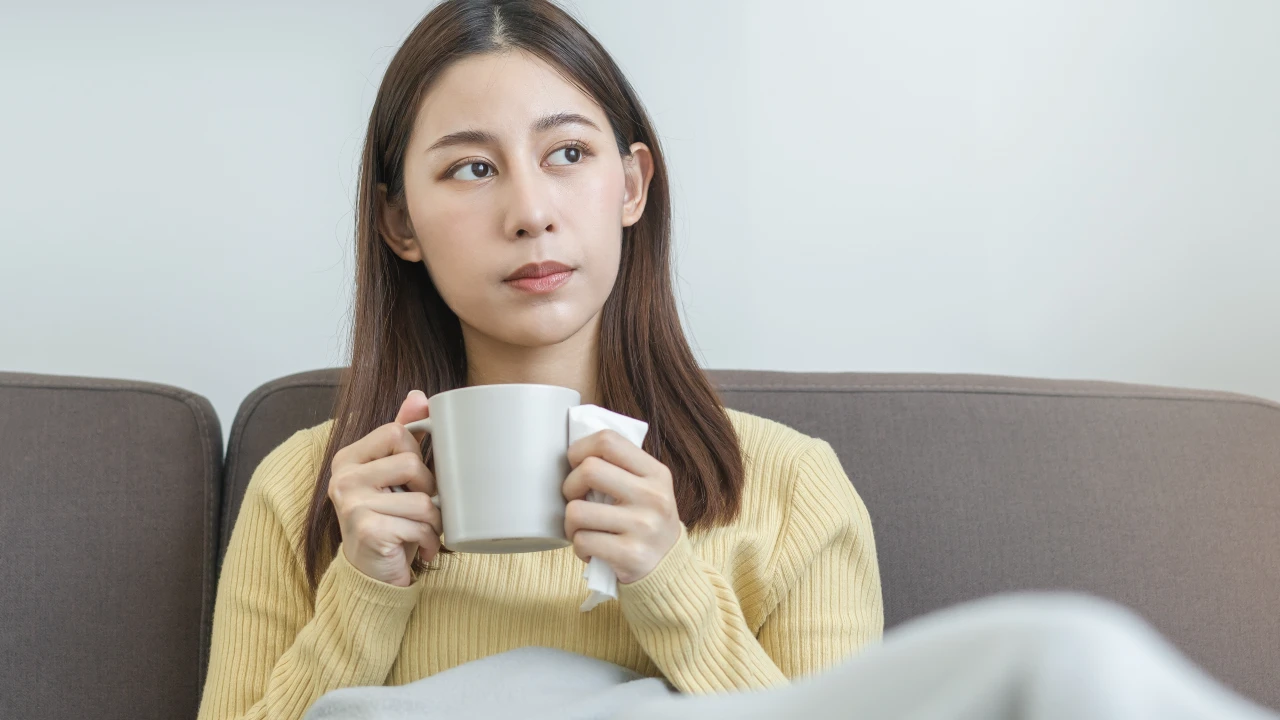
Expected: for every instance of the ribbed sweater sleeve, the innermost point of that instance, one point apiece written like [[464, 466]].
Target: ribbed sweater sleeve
[[825, 593], [827, 575], [275, 649]]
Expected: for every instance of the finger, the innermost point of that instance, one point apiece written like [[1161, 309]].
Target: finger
[[610, 445], [404, 468], [582, 515], [609, 547], [429, 550], [372, 528], [595, 473], [416, 537], [410, 506], [414, 407], [383, 441]]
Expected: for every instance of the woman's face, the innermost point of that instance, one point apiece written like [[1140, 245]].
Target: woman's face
[[510, 164]]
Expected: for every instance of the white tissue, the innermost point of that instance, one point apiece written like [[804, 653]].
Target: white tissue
[[584, 420]]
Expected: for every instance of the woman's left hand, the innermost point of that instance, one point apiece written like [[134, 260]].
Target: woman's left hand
[[635, 534]]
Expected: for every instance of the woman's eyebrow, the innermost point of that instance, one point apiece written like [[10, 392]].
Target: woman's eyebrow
[[484, 137], [550, 122]]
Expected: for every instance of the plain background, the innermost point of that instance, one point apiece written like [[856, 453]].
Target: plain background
[[1083, 189]]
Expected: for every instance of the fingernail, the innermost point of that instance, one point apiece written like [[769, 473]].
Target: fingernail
[[419, 393]]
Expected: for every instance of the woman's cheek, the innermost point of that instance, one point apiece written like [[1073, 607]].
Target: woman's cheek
[[601, 191]]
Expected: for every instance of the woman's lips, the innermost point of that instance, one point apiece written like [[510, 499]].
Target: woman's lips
[[539, 285]]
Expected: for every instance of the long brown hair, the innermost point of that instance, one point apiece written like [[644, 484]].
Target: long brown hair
[[404, 336]]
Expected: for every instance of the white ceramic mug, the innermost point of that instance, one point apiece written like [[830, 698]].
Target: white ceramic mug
[[501, 457]]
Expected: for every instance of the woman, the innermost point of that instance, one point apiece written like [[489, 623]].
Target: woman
[[513, 226]]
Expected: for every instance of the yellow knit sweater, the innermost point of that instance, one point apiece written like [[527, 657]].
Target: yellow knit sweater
[[790, 588]]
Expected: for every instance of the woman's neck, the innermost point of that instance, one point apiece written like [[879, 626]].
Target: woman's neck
[[572, 363]]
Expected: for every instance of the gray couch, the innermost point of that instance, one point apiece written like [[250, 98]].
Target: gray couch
[[117, 504]]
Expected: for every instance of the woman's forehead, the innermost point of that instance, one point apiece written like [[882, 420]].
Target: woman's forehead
[[502, 93]]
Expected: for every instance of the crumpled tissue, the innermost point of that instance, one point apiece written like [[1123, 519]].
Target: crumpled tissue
[[584, 420]]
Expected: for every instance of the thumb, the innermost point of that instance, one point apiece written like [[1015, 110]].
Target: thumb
[[414, 407]]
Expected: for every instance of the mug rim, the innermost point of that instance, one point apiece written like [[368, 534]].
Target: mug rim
[[505, 385]]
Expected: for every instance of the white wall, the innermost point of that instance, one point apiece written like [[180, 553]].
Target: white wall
[[1085, 189]]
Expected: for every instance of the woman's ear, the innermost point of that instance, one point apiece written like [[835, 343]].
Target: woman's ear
[[638, 168], [396, 228]]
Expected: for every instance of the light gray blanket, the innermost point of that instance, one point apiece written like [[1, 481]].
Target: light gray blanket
[[532, 683], [1018, 657]]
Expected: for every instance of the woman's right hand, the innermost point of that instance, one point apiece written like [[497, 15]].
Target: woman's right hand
[[381, 529]]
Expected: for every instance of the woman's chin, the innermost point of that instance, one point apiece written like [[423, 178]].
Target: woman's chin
[[538, 330]]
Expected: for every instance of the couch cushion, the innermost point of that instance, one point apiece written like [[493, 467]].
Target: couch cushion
[[109, 526], [266, 418], [1165, 500]]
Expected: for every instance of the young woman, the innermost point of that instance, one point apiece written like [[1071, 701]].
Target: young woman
[[513, 225]]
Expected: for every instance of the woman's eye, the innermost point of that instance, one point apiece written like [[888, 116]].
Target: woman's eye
[[477, 170], [572, 154]]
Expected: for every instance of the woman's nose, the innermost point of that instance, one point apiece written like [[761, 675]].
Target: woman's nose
[[529, 210]]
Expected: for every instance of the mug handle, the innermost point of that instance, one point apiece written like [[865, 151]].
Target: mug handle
[[423, 425]]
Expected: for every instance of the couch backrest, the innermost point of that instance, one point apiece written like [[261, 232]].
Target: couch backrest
[[1165, 500], [109, 523]]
